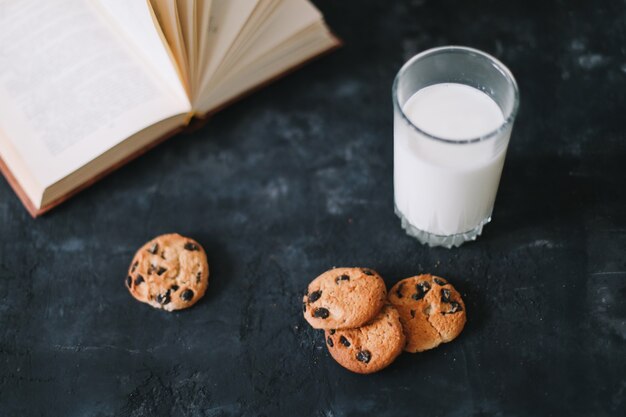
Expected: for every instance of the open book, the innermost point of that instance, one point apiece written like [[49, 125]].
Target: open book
[[86, 85]]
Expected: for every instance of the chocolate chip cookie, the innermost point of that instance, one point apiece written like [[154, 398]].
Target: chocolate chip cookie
[[344, 298], [431, 311], [371, 347], [169, 272]]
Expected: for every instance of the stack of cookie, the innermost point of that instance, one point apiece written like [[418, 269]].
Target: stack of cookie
[[366, 329], [362, 333]]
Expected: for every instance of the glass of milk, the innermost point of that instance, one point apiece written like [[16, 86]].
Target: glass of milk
[[454, 109]]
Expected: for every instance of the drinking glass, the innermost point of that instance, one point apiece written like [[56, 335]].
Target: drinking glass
[[444, 189]]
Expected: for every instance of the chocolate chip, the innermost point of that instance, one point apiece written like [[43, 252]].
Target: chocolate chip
[[367, 271], [154, 248], [138, 280], [344, 341], [454, 308], [187, 295], [340, 278], [413, 313], [399, 290], [198, 277], [132, 268], [161, 270], [330, 342], [417, 296], [445, 295], [129, 281], [422, 288], [364, 356], [332, 331], [164, 298], [440, 281], [304, 307], [321, 313], [174, 287], [191, 246], [314, 296]]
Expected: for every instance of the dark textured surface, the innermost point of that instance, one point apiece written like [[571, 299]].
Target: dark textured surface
[[298, 178]]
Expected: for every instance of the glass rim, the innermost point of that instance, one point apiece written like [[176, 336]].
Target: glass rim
[[467, 50]]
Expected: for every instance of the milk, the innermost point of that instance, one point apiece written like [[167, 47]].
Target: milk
[[446, 187]]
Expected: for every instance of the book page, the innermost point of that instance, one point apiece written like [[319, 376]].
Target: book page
[[308, 44], [293, 33], [187, 22], [227, 19], [203, 21], [288, 20], [259, 17], [167, 14], [135, 19], [70, 87]]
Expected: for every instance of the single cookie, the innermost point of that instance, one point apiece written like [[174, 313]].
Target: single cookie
[[344, 298], [371, 347], [431, 311], [169, 272]]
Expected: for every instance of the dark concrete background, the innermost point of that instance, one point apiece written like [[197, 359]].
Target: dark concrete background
[[298, 178]]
